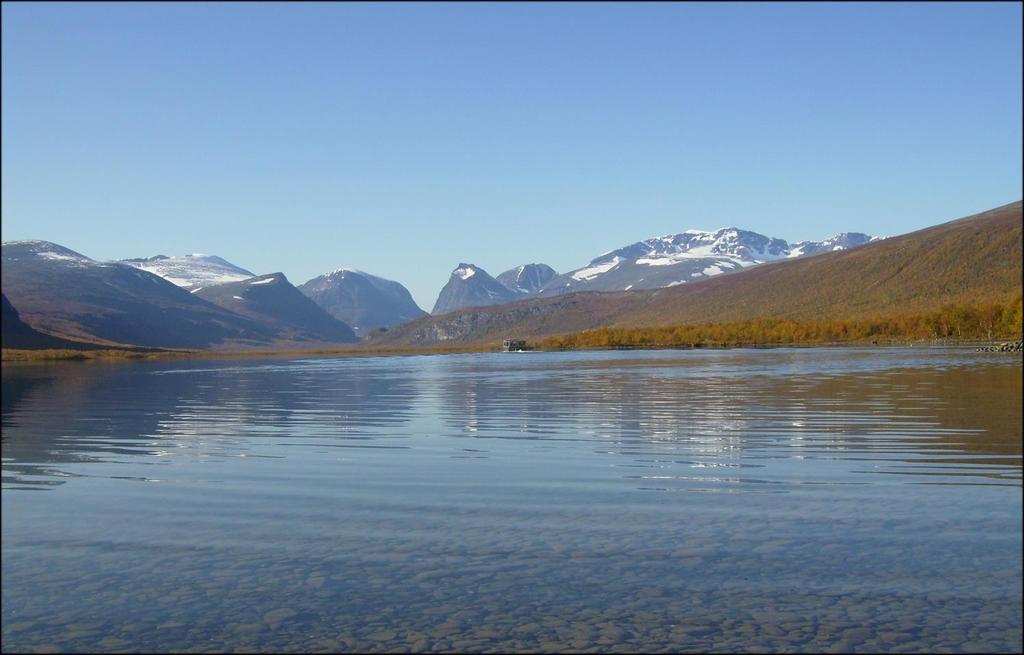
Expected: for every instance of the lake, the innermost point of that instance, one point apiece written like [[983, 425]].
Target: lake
[[661, 501]]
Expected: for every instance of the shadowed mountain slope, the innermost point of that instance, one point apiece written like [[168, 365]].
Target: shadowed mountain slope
[[62, 292], [963, 261], [271, 300], [15, 333]]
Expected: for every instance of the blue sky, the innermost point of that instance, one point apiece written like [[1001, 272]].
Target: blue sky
[[403, 139]]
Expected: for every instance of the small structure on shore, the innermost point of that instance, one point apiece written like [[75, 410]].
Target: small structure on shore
[[1009, 347], [514, 345]]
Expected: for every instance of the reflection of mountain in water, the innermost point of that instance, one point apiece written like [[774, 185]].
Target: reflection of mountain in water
[[949, 420], [685, 416], [76, 414], [944, 412], [605, 406]]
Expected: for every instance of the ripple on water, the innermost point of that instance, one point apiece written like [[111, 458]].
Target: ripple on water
[[788, 500]]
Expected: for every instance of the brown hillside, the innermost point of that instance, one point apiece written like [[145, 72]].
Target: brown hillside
[[966, 261]]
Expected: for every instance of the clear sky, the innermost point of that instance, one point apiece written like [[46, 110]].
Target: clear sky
[[404, 139]]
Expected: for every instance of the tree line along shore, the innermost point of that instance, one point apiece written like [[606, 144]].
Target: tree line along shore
[[952, 323]]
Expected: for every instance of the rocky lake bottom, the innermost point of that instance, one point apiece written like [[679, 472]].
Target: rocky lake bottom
[[789, 500]]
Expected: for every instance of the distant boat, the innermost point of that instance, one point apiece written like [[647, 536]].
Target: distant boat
[[514, 346]]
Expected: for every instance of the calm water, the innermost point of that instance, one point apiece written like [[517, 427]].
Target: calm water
[[783, 500]]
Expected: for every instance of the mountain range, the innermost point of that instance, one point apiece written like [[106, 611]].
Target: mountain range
[[360, 300], [654, 263], [187, 301], [686, 257], [203, 301], [61, 292], [967, 261]]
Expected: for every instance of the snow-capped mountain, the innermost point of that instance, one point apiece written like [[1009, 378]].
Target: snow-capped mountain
[[471, 286], [38, 252], [361, 300], [843, 241], [686, 257], [528, 278], [742, 246], [191, 271], [60, 291]]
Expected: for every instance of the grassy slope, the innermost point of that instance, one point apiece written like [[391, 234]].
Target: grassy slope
[[959, 262], [970, 260]]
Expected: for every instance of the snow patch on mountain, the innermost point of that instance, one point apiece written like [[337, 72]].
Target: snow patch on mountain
[[670, 259], [596, 269], [657, 261], [843, 241], [471, 286], [527, 279], [49, 250], [191, 271], [55, 255]]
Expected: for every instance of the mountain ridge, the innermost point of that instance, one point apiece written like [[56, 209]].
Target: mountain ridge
[[60, 292], [686, 257], [959, 261], [64, 293]]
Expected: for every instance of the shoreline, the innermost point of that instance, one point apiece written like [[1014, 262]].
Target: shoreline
[[53, 356]]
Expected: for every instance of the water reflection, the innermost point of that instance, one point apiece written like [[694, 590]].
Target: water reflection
[[76, 414], [956, 421], [808, 500]]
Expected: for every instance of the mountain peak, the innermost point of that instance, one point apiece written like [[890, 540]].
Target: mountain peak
[[471, 286], [45, 250], [342, 270], [527, 278], [362, 300]]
